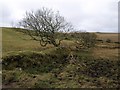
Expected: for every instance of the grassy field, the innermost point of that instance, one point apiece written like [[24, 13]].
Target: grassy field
[[27, 64], [112, 36], [14, 41]]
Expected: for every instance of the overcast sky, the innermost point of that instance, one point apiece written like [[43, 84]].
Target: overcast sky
[[89, 15]]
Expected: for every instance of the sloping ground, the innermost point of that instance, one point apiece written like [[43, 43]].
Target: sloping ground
[[15, 41], [61, 70], [27, 64]]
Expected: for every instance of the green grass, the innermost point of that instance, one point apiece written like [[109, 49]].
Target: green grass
[[27, 64], [15, 41], [53, 71]]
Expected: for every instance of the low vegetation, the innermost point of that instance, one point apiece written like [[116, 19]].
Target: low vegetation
[[26, 64]]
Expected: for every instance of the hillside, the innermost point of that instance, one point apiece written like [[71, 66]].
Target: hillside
[[13, 40], [27, 64]]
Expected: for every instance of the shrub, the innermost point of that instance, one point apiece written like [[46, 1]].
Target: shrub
[[99, 40], [117, 42], [34, 62], [108, 41], [87, 39], [100, 67]]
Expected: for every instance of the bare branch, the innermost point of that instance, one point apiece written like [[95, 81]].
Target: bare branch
[[43, 24]]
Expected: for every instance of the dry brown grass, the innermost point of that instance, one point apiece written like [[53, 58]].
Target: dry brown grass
[[105, 53], [107, 50], [111, 36]]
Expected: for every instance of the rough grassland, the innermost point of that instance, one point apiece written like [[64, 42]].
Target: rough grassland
[[14, 41], [28, 65], [111, 36]]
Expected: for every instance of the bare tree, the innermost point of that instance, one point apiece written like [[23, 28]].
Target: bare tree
[[44, 26]]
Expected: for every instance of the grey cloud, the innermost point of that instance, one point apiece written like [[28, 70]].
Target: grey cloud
[[5, 16], [94, 15]]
